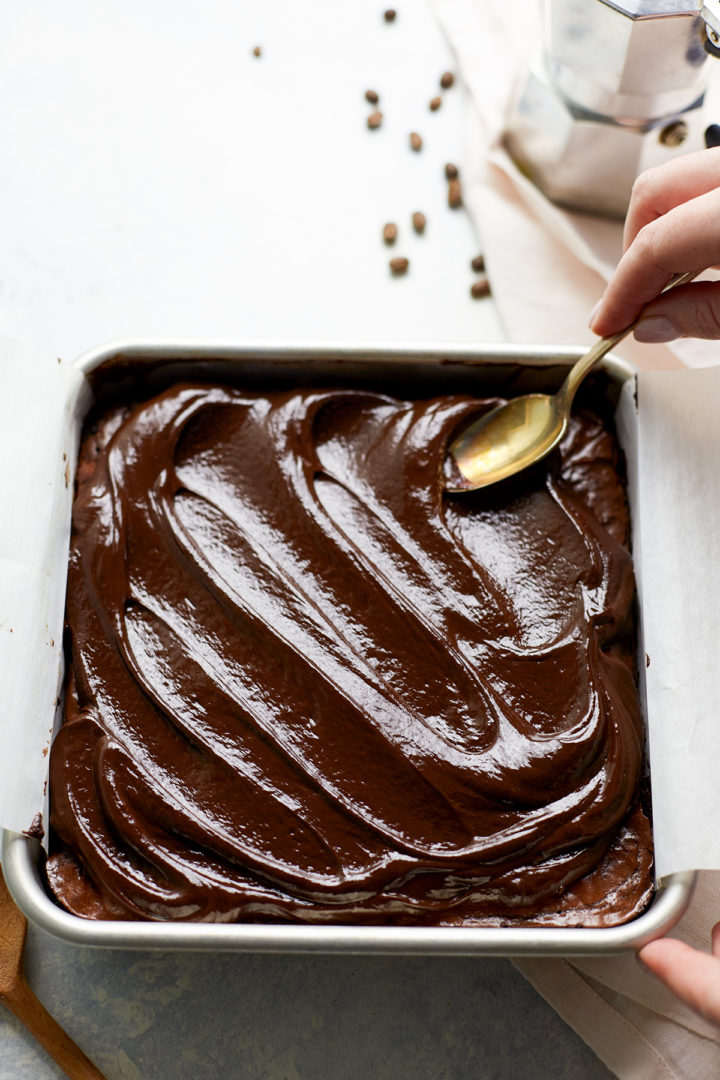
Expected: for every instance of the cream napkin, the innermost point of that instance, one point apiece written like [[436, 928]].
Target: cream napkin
[[548, 268]]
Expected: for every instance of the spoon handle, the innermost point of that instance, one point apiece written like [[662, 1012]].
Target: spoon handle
[[580, 369]]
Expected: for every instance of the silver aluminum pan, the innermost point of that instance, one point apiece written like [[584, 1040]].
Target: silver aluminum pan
[[477, 369]]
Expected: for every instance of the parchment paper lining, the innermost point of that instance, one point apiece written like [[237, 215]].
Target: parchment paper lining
[[677, 557], [41, 402]]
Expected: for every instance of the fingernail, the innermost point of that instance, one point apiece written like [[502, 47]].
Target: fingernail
[[655, 329], [594, 312]]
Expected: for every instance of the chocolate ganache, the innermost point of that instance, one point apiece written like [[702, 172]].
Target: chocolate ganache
[[306, 684]]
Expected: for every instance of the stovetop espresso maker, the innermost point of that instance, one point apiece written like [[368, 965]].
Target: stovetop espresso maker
[[616, 87]]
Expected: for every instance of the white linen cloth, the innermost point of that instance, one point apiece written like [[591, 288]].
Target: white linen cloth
[[548, 268]]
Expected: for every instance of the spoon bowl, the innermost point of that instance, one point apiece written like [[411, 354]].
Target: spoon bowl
[[524, 430], [505, 440]]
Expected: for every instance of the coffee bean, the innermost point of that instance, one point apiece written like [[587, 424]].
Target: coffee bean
[[478, 264], [415, 141], [454, 194], [451, 171], [372, 96], [257, 51], [374, 120], [399, 266], [480, 288], [390, 232], [435, 104], [447, 79], [390, 15], [419, 221]]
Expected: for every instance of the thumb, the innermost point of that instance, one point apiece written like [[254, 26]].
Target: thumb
[[688, 311]]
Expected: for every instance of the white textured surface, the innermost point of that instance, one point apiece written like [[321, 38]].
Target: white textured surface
[[159, 180]]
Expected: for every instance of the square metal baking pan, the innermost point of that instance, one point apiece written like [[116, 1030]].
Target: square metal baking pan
[[417, 370]]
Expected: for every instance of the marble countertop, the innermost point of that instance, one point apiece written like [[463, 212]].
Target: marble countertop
[[157, 179]]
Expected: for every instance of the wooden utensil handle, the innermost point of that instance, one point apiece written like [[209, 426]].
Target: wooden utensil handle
[[23, 1003]]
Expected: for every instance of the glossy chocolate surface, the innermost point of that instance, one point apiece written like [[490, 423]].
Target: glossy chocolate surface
[[308, 685]]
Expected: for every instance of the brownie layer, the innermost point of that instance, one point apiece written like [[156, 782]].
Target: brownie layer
[[306, 684]]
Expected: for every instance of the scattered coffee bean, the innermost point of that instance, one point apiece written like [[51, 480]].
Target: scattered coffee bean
[[390, 15], [390, 232], [451, 171], [372, 96], [447, 79], [478, 264], [257, 51], [435, 104], [454, 194], [415, 141], [480, 288], [419, 221], [399, 266], [374, 120]]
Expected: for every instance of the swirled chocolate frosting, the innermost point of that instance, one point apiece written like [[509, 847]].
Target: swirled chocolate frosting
[[306, 684]]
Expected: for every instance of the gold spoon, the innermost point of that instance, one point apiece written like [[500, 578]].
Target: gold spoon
[[19, 998], [521, 431]]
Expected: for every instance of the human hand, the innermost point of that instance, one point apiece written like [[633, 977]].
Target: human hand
[[672, 226], [692, 975]]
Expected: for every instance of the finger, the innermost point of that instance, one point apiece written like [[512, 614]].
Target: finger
[[689, 311], [693, 976], [685, 239], [660, 189], [716, 939]]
